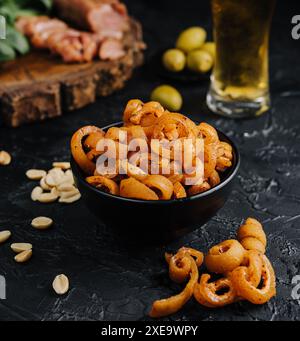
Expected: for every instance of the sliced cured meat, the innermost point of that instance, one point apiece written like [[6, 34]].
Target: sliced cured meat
[[72, 45], [106, 17], [111, 49]]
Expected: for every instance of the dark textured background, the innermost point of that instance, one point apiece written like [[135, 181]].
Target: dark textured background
[[109, 282]]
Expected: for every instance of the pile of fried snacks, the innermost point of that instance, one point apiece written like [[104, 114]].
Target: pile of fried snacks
[[244, 271], [149, 122]]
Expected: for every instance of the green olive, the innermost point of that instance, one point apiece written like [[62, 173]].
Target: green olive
[[210, 47], [174, 60], [191, 39], [199, 61], [168, 97]]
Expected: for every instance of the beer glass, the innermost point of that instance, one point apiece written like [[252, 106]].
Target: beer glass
[[240, 79]]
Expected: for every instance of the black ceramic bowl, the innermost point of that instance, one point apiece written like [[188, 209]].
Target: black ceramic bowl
[[156, 221]]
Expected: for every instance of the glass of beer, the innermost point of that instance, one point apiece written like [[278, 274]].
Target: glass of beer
[[240, 79]]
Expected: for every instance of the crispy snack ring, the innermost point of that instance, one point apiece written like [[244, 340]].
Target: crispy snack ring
[[247, 290], [179, 266], [224, 159], [253, 262], [132, 106], [133, 171], [252, 236], [197, 189], [225, 257], [132, 188], [93, 154], [147, 115], [251, 243], [209, 133], [183, 125], [210, 159], [135, 132], [92, 140], [197, 255], [172, 304], [214, 179], [179, 191], [161, 185], [107, 185], [207, 293], [78, 153]]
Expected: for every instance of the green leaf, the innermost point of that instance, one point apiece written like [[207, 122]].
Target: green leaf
[[6, 51], [16, 40], [47, 4]]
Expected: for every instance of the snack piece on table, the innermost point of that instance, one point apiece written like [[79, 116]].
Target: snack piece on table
[[252, 236], [247, 274]]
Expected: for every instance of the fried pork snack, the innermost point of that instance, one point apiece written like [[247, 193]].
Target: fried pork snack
[[246, 274], [163, 178]]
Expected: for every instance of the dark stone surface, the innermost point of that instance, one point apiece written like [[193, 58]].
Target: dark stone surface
[[108, 282]]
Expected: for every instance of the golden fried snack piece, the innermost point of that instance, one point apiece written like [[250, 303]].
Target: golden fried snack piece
[[207, 293], [224, 159], [180, 126], [253, 262], [179, 266], [197, 189], [114, 133], [135, 132], [251, 243], [103, 183], [197, 255], [147, 115], [252, 236], [210, 159], [132, 170], [214, 179], [92, 140], [93, 154], [161, 185], [179, 191], [173, 304], [132, 188], [131, 107], [209, 133], [176, 178], [247, 290], [77, 151], [225, 257]]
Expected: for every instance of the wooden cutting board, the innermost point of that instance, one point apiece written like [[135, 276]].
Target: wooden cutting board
[[40, 86]]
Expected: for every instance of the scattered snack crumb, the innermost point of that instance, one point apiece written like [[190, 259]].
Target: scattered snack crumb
[[5, 158], [57, 183], [4, 236], [20, 247], [36, 192], [61, 284], [63, 165], [35, 174], [41, 223], [23, 256]]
